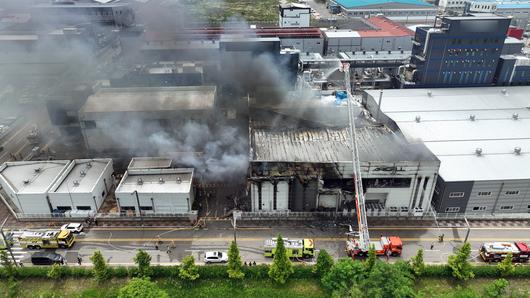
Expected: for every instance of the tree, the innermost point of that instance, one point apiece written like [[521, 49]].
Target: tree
[[324, 263], [496, 289], [344, 275], [416, 263], [234, 262], [506, 267], [100, 270], [188, 270], [143, 261], [55, 272], [281, 267], [388, 280], [459, 264], [8, 265], [371, 260], [141, 288]]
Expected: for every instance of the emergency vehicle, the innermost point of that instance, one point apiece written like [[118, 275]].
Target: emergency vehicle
[[385, 246], [296, 248], [497, 251], [47, 239]]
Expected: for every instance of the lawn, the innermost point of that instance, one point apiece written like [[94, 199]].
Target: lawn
[[306, 288], [220, 11], [209, 288]]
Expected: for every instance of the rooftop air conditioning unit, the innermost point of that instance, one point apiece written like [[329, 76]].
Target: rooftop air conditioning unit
[[478, 151]]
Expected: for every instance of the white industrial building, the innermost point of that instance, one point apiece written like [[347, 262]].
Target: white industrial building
[[310, 169], [138, 163], [294, 15], [26, 184], [83, 186], [481, 137], [155, 191]]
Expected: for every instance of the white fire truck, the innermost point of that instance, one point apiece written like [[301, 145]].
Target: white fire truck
[[497, 251]]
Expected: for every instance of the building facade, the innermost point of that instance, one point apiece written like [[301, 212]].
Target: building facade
[[155, 191], [294, 15], [461, 51], [403, 11], [480, 136]]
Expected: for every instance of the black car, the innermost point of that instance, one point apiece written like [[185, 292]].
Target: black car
[[46, 258]]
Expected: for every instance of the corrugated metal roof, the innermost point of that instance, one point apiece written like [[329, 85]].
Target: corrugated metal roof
[[454, 122], [375, 143]]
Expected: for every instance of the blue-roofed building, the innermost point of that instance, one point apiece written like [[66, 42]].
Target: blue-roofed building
[[405, 11], [519, 11]]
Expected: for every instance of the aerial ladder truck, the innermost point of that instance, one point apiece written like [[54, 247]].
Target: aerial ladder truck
[[359, 243]]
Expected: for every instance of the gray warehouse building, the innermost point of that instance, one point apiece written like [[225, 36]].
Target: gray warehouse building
[[481, 137], [142, 120]]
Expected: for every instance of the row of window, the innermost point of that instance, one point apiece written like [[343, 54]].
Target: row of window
[[391, 13], [479, 208], [460, 194]]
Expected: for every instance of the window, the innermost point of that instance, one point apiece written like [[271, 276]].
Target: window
[[146, 208], [84, 208], [103, 194], [452, 209], [484, 193], [506, 207], [528, 206], [404, 209], [457, 194], [512, 192], [393, 209], [480, 208], [64, 208]]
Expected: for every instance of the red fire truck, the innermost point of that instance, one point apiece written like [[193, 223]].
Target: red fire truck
[[497, 251]]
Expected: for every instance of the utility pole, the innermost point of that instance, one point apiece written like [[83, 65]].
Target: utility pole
[[235, 215], [7, 244], [468, 230], [139, 210]]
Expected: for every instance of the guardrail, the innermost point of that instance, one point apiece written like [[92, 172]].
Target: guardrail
[[193, 215]]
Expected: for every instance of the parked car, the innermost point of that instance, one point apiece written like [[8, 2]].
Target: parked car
[[215, 257], [74, 227], [46, 258]]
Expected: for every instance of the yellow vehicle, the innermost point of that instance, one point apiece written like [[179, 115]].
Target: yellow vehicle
[[295, 248], [48, 239]]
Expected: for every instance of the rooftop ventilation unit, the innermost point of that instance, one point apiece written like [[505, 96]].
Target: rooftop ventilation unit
[[139, 181], [429, 93], [504, 91], [515, 116], [517, 150], [418, 119], [37, 170], [478, 151], [89, 165], [179, 180], [82, 173], [76, 183], [472, 117], [161, 180], [26, 181]]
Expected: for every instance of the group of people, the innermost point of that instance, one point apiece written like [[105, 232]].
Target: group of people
[[250, 263]]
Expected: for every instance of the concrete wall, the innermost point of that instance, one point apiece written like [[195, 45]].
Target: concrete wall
[[158, 202]]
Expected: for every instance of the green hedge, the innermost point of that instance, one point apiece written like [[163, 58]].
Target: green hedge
[[251, 272]]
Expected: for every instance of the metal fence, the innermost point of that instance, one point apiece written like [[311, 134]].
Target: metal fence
[[193, 215]]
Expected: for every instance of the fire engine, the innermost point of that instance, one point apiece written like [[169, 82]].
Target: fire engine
[[497, 251], [358, 243], [296, 248], [47, 239]]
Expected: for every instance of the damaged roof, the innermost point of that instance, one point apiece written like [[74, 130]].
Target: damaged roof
[[328, 145]]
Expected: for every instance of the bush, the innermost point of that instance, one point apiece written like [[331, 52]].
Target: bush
[[344, 274], [324, 263], [143, 261], [459, 263], [521, 271], [281, 268], [256, 272], [141, 288], [437, 271], [100, 270], [234, 262], [213, 271], [303, 271], [416, 263], [496, 289], [506, 267], [55, 272], [188, 270], [122, 272], [165, 271], [485, 271]]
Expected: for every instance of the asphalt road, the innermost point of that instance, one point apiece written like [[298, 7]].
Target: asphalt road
[[119, 245]]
